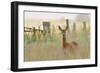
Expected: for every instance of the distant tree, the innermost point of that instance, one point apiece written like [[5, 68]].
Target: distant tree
[[39, 32], [74, 32], [34, 34], [74, 27], [67, 23], [84, 26], [53, 30]]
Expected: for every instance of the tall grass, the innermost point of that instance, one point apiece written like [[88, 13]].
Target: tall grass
[[50, 48]]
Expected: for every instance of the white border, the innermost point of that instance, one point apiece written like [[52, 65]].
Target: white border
[[22, 64]]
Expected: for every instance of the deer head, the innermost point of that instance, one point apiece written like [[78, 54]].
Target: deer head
[[63, 31]]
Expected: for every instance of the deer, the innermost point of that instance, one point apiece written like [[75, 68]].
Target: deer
[[68, 48]]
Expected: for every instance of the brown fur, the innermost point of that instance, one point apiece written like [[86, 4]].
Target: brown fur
[[69, 48]]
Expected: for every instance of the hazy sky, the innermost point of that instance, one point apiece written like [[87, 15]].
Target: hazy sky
[[35, 18], [49, 16]]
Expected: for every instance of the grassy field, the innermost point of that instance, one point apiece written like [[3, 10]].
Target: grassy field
[[51, 48]]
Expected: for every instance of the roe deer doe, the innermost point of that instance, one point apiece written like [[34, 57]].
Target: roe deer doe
[[68, 48]]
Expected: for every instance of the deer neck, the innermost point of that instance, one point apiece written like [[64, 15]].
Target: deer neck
[[64, 41]]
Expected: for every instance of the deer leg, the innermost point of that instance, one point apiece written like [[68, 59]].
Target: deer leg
[[68, 52], [64, 51], [76, 52]]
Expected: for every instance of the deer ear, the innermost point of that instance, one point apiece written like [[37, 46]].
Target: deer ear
[[60, 28]]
